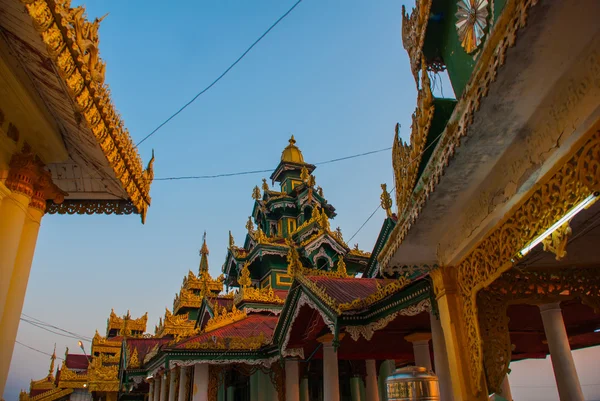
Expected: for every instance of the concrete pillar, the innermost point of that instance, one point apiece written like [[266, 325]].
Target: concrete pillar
[[292, 380], [420, 342], [184, 371], [164, 386], [157, 386], [13, 213], [331, 381], [451, 305], [13, 305], [254, 384], [230, 393], [504, 393], [172, 387], [372, 387], [200, 382], [355, 388], [304, 392], [151, 390], [567, 381], [440, 358]]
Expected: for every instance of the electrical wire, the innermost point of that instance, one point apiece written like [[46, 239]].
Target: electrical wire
[[202, 177], [56, 327], [37, 350], [41, 326], [220, 76]]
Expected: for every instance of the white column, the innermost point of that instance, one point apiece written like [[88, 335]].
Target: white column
[[151, 390], [567, 381], [304, 389], [172, 389], [331, 384], [504, 391], [372, 387], [157, 386], [200, 382], [420, 342], [292, 380], [440, 358], [164, 385], [183, 378]]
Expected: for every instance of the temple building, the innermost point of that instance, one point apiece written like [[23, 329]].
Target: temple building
[[63, 147]]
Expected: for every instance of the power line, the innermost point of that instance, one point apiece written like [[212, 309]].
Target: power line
[[61, 332], [410, 162], [37, 350], [203, 177], [36, 320], [220, 76]]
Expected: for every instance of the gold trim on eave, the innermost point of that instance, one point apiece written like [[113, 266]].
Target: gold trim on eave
[[72, 43]]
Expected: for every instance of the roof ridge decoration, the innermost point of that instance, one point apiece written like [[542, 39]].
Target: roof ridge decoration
[[70, 378], [386, 200], [72, 43], [178, 326], [249, 293], [134, 360], [51, 395], [296, 269], [126, 323], [225, 318], [414, 28], [103, 378], [406, 158], [358, 303], [356, 251], [250, 343]]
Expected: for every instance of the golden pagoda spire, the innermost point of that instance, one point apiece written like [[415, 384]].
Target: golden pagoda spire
[[231, 241], [341, 267], [386, 200], [250, 225], [52, 359], [256, 193], [203, 256]]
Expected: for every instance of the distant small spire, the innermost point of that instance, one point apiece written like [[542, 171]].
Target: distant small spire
[[52, 359], [292, 140], [203, 256]]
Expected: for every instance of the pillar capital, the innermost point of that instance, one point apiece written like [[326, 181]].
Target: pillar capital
[[445, 280], [328, 339], [550, 307], [418, 337]]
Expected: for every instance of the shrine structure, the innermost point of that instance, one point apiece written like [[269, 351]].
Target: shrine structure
[[496, 192], [63, 147]]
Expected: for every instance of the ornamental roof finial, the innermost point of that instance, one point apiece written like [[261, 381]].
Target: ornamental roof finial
[[304, 174], [265, 186], [341, 267], [256, 193], [52, 359], [244, 280], [292, 140], [231, 241], [386, 200], [250, 225], [203, 256]]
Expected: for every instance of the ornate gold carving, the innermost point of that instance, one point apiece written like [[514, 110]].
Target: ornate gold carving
[[244, 280], [218, 321], [69, 206], [571, 184], [531, 287], [231, 241], [296, 269], [256, 193], [103, 378], [240, 343], [265, 186], [557, 241], [52, 395], [178, 326], [386, 200], [126, 325], [407, 157], [71, 379], [358, 252], [72, 43], [341, 267], [186, 299], [493, 56], [262, 295], [413, 34], [250, 226], [134, 360]]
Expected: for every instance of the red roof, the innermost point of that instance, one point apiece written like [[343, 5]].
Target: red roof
[[251, 326], [77, 361], [345, 290], [144, 345]]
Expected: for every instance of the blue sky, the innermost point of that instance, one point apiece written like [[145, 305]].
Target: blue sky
[[333, 73]]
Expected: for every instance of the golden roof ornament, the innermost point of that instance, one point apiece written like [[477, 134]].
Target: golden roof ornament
[[324, 220], [338, 234], [250, 225], [293, 259], [265, 186], [386, 200], [52, 359], [341, 267], [256, 193], [291, 153], [315, 214], [320, 191], [244, 280], [231, 241], [311, 181], [304, 174]]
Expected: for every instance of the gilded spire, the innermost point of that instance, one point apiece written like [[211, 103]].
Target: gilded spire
[[341, 267], [265, 186], [256, 193], [386, 200], [52, 359], [204, 256], [231, 241], [250, 225]]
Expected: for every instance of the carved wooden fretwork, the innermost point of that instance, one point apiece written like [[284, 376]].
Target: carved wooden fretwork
[[414, 28], [531, 287]]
